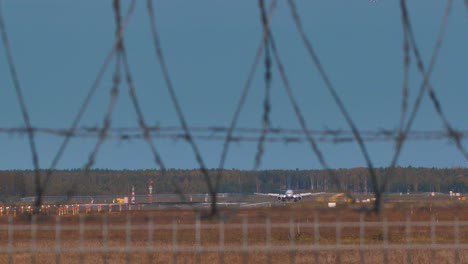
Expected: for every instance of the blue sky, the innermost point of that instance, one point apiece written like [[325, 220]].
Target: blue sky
[[59, 46]]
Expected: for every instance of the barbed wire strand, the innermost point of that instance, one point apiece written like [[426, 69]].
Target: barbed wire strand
[[336, 98], [94, 131], [466, 5], [438, 107], [314, 146], [165, 71], [114, 90], [142, 123], [426, 76], [89, 95], [212, 134], [405, 88], [146, 132], [22, 103], [406, 64], [266, 102], [136, 105], [243, 98], [186, 133], [101, 138]]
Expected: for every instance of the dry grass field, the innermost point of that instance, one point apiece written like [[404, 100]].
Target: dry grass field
[[289, 233]]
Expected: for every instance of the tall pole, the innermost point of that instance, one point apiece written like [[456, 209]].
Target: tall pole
[[133, 195], [150, 193]]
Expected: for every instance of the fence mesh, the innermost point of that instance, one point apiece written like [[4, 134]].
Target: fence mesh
[[267, 235], [89, 235]]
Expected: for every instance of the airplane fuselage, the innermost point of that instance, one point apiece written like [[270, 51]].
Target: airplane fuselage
[[289, 196]]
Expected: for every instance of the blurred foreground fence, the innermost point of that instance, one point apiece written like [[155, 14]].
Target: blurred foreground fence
[[317, 236], [275, 236], [268, 49]]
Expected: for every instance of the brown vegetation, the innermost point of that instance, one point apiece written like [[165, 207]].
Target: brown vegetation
[[299, 233]]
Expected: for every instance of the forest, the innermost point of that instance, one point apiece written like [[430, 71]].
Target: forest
[[21, 183]]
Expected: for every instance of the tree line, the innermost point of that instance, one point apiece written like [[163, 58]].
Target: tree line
[[20, 183]]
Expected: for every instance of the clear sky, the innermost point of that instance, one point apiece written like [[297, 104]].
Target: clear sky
[[59, 46]]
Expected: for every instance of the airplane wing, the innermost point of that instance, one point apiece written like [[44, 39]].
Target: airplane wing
[[310, 194], [269, 194]]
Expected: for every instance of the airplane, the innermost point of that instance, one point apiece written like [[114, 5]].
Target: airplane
[[288, 195]]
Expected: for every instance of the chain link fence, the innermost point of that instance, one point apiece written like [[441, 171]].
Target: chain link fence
[[262, 235]]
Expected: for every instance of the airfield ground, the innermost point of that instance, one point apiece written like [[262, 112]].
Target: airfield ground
[[412, 230]]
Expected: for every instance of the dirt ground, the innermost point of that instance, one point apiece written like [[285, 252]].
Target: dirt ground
[[405, 232]]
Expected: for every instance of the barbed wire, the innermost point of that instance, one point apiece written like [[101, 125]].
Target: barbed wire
[[178, 108], [114, 50], [337, 99], [298, 112], [114, 90], [24, 110], [410, 41], [232, 133], [245, 92], [280, 135], [268, 76]]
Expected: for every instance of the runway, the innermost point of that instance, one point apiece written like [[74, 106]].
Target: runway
[[61, 205]]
